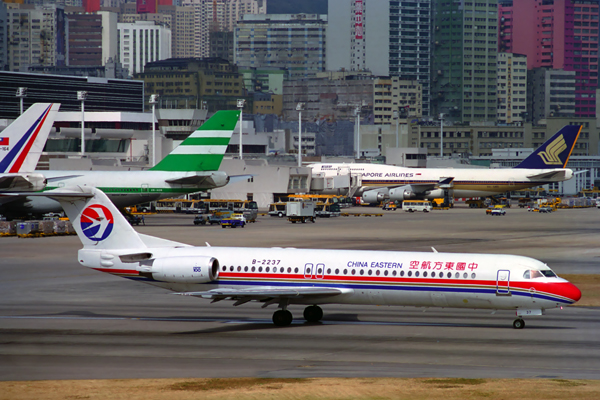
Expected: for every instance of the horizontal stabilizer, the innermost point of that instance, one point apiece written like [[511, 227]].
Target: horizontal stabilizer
[[151, 241], [558, 176], [63, 177], [192, 180]]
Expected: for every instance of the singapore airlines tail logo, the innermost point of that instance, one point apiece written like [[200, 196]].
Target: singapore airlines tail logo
[[96, 222], [553, 150]]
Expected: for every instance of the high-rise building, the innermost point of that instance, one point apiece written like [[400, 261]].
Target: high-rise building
[[464, 60], [3, 37], [85, 39], [142, 42], [146, 6], [225, 15], [194, 83], [550, 94], [295, 42], [36, 36], [556, 34], [512, 88], [388, 38], [221, 45], [91, 6]]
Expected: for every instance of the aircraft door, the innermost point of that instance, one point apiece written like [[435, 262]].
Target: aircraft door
[[503, 283], [145, 188], [308, 271]]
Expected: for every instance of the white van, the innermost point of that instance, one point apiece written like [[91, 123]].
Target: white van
[[416, 205]]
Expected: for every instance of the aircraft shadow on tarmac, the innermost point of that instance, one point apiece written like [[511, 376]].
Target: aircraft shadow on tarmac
[[249, 324]]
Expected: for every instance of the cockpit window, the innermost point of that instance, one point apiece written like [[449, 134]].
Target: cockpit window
[[532, 274]]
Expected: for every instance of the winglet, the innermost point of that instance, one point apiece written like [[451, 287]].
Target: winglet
[[204, 149], [22, 142], [555, 152]]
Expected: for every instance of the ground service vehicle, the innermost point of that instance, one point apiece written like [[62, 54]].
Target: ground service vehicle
[[416, 205], [496, 210], [300, 211], [234, 220], [327, 210], [277, 209], [390, 206], [201, 219]]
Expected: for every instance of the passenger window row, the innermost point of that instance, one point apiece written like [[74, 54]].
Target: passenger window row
[[370, 272]]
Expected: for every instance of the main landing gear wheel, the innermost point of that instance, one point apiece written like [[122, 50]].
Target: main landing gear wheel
[[519, 323], [313, 313], [282, 318]]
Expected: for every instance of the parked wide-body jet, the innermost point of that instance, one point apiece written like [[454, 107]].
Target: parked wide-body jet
[[545, 165], [190, 167], [21, 144], [284, 276]]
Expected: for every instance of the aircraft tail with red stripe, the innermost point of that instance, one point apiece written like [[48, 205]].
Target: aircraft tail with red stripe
[[22, 142]]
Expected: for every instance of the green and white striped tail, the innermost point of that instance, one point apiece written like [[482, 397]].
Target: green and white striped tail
[[204, 149]]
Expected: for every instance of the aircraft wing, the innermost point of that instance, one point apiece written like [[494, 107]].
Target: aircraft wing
[[443, 183], [266, 293], [239, 178]]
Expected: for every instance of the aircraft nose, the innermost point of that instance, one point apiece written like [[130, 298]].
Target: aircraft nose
[[569, 291]]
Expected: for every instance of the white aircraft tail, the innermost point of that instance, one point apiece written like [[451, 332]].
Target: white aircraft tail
[[98, 223], [22, 142]]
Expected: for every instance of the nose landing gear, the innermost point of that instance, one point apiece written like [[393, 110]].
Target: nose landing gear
[[519, 323]]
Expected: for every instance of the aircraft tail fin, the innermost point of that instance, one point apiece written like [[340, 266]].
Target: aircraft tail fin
[[97, 221], [555, 152], [22, 142], [204, 149]]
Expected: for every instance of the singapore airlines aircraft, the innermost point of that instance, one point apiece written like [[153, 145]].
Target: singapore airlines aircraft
[[545, 165], [21, 145], [284, 276], [189, 168]]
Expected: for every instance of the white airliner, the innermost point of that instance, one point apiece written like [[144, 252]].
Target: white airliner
[[21, 144], [189, 168], [380, 182], [284, 276]]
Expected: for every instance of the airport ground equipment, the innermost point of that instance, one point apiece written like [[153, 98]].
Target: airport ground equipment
[[300, 211]]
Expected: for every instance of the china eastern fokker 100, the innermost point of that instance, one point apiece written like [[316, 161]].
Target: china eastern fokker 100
[[284, 276]]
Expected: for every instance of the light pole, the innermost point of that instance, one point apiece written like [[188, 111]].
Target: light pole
[[357, 113], [153, 101], [441, 135], [81, 96], [396, 118], [299, 108], [240, 105], [21, 94]]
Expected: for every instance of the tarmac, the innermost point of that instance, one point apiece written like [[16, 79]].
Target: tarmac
[[59, 320]]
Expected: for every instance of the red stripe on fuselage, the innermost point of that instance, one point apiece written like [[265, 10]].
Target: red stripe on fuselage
[[562, 289], [118, 271]]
